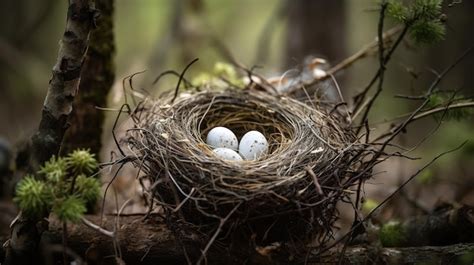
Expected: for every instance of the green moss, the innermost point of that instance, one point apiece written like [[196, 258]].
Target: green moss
[[81, 161], [467, 259], [65, 190], [70, 209], [87, 189], [33, 196], [392, 234]]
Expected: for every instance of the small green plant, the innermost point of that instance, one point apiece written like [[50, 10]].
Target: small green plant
[[392, 234], [63, 186], [423, 19]]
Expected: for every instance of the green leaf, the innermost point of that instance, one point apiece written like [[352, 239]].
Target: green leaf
[[81, 161], [70, 209], [87, 189], [33, 196]]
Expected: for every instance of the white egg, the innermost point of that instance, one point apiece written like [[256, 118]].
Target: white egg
[[222, 137], [253, 145], [227, 154]]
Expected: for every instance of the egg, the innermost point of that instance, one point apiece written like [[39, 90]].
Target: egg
[[227, 154], [222, 137], [253, 145]]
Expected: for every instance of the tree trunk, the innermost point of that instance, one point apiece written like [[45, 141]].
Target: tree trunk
[[315, 27], [26, 232], [97, 78]]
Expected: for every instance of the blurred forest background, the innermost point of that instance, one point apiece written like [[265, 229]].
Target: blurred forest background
[[158, 35]]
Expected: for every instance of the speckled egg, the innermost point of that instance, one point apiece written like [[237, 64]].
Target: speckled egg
[[227, 154], [222, 137], [253, 145]]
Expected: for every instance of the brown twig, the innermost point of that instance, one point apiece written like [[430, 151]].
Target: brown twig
[[400, 127]]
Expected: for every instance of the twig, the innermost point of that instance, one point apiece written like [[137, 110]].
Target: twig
[[359, 98], [181, 78], [396, 130], [383, 7], [315, 180], [389, 198], [382, 68], [427, 113], [366, 50], [219, 228], [97, 228]]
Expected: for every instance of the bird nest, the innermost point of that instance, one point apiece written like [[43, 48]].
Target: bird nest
[[288, 195]]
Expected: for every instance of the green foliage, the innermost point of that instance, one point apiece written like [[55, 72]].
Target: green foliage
[[392, 234], [70, 209], [422, 17], [398, 11], [62, 185], [54, 169], [442, 100], [87, 189], [427, 31], [81, 161], [33, 196]]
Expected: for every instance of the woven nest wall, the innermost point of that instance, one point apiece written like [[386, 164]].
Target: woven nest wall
[[288, 195]]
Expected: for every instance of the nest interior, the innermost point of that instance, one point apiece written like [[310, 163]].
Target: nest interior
[[288, 195]]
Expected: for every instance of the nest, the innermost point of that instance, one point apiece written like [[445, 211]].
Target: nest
[[289, 195]]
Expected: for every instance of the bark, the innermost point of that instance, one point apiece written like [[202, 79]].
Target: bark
[[97, 78], [151, 242], [26, 232], [453, 254], [447, 225]]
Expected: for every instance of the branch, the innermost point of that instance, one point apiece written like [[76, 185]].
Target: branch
[[151, 242], [359, 98], [382, 62], [26, 232], [365, 51], [400, 127]]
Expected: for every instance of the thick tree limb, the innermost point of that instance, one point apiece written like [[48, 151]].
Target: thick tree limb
[[63, 87], [452, 254], [97, 78], [151, 242]]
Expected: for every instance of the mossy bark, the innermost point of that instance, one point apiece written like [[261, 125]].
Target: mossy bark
[[22, 248], [97, 77]]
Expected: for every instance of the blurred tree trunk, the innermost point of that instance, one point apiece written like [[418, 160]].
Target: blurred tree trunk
[[97, 77], [26, 231], [315, 27]]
